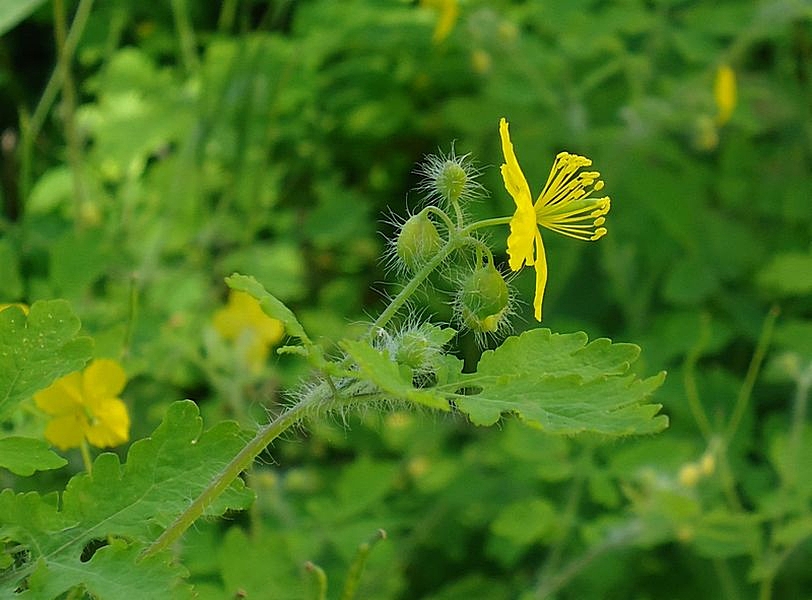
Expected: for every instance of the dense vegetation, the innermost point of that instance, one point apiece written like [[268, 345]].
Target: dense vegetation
[[150, 150]]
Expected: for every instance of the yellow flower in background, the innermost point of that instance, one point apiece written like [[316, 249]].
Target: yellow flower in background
[[724, 93], [564, 205], [243, 322], [20, 305], [449, 11], [85, 405]]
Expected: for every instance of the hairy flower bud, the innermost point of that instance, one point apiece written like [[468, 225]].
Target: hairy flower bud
[[450, 178], [483, 300], [419, 347], [417, 242]]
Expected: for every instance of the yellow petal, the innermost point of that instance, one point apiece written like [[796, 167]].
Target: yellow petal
[[541, 276], [243, 312], [515, 181], [111, 424], [523, 231], [62, 397], [103, 378], [724, 92], [67, 431]]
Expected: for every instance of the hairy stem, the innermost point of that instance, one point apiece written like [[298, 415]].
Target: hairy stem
[[232, 470]]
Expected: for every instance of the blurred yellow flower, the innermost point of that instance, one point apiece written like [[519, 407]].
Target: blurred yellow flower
[[243, 322], [564, 206], [449, 11], [85, 405], [724, 92], [20, 305]]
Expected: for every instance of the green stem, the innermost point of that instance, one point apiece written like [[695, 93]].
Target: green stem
[[689, 379], [227, 13], [315, 401], [232, 470], [486, 223], [319, 579], [186, 35], [746, 390], [799, 409], [357, 566], [569, 517], [456, 239], [417, 279], [86, 459], [31, 126], [549, 587], [449, 224]]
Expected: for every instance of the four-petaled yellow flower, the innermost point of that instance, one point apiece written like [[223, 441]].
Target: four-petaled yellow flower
[[243, 321], [85, 405], [564, 205]]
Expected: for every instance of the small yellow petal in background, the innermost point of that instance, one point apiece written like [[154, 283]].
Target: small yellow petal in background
[[20, 305], [111, 424], [243, 317], [449, 11], [103, 378], [724, 92], [62, 397], [67, 431]]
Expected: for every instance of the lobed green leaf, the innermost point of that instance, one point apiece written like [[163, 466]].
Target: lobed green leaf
[[561, 384], [132, 501], [37, 349], [23, 456]]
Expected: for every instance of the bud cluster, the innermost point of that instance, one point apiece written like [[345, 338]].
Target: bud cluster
[[437, 235]]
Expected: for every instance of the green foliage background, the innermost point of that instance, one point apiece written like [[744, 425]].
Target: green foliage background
[[194, 139]]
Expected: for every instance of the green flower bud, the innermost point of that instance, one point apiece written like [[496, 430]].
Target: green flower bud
[[483, 300], [419, 347], [417, 242], [450, 178]]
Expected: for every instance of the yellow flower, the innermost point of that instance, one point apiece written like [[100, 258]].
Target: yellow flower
[[243, 322], [564, 205], [20, 305], [85, 405], [449, 11], [724, 92]]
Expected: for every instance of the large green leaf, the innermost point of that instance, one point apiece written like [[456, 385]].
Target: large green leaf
[[561, 384], [133, 502], [37, 349]]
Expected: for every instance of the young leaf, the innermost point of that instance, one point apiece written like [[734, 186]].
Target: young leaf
[[384, 373], [560, 384], [23, 456], [38, 349], [272, 306], [161, 477]]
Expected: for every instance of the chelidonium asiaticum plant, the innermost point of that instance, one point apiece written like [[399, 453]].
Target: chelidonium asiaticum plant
[[557, 383]]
